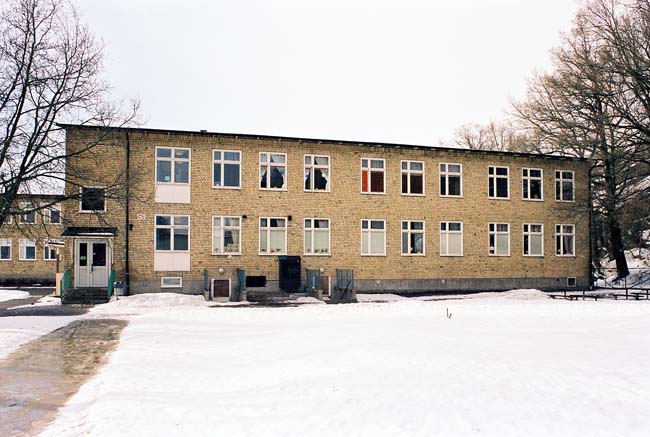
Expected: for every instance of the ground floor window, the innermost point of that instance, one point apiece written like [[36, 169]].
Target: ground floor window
[[27, 250], [273, 236], [171, 282], [412, 237], [565, 240], [451, 238], [5, 249], [317, 236], [49, 252], [172, 233], [373, 237], [533, 239], [499, 239], [226, 235]]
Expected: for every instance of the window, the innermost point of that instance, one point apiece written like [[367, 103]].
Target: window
[[173, 233], [451, 179], [499, 239], [451, 238], [226, 235], [49, 250], [564, 240], [29, 216], [412, 237], [373, 179], [571, 281], [533, 239], [498, 182], [226, 169], [373, 237], [317, 173], [172, 165], [93, 199], [564, 191], [52, 214], [317, 236], [8, 219], [27, 250], [5, 249], [413, 178], [273, 236], [532, 184], [273, 171], [171, 282]]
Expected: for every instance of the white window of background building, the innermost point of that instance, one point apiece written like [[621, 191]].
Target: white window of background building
[[373, 237], [451, 180], [533, 239], [172, 165], [498, 182], [499, 239], [532, 184], [413, 178], [451, 238], [226, 235], [273, 235], [413, 237], [172, 233], [317, 173], [565, 240], [273, 171], [317, 236], [226, 169]]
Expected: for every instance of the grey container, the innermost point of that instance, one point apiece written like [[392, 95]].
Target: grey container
[[118, 286]]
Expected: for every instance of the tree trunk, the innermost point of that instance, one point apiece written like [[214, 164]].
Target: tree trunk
[[616, 242]]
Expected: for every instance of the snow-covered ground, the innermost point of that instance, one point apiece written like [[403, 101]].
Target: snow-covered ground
[[503, 365], [15, 331], [9, 294]]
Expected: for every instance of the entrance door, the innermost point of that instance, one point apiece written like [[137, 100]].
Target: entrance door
[[221, 288], [91, 263]]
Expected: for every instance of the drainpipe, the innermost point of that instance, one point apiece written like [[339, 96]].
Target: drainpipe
[[591, 232], [127, 225]]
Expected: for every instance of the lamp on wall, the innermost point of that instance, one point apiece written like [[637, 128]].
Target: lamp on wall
[[221, 270]]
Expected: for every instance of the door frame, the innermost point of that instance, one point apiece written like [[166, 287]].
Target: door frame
[[109, 256], [212, 297]]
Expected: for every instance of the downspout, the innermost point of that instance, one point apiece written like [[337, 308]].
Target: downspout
[[591, 233], [127, 225]]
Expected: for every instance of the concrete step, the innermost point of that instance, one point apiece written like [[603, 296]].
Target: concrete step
[[267, 296], [85, 296]]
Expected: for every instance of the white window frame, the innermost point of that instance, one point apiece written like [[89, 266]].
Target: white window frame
[[496, 233], [22, 249], [47, 248], [495, 177], [312, 231], [445, 234], [9, 219], [172, 227], [7, 242], [313, 166], [370, 231], [162, 282], [222, 162], [408, 231], [221, 228], [88, 211], [561, 234], [526, 180], [173, 160], [409, 172], [268, 166], [383, 169], [27, 205], [530, 233], [561, 180], [47, 214], [448, 173], [268, 229]]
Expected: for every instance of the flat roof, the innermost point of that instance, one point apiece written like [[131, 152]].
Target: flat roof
[[317, 140]]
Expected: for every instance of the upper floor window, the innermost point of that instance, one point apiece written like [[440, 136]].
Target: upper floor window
[[499, 239], [373, 237], [172, 165], [317, 236], [273, 236], [451, 179], [52, 214], [27, 250], [373, 178], [8, 219], [498, 182], [413, 177], [565, 240], [451, 238], [173, 233], [412, 237], [93, 199], [226, 235], [5, 249], [226, 169], [273, 171], [27, 213], [532, 184], [564, 190], [533, 239], [317, 173]]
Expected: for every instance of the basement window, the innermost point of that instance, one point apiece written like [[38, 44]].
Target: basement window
[[571, 282], [171, 282]]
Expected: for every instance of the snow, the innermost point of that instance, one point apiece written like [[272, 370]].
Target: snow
[[9, 294], [503, 365], [48, 300], [15, 331]]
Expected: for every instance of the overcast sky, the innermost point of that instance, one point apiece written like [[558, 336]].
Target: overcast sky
[[387, 71]]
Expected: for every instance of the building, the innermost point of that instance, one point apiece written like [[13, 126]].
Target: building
[[30, 241], [404, 218]]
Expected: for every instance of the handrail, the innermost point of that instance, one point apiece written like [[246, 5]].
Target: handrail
[[66, 283], [111, 283]]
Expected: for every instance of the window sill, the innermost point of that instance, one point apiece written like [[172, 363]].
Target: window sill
[[226, 188], [316, 191], [5, 259], [421, 255], [499, 256], [533, 256], [227, 254], [316, 254], [272, 254], [374, 194], [532, 200], [452, 256], [565, 201], [450, 196], [273, 189], [90, 212], [565, 256], [170, 251], [373, 254], [498, 198], [20, 259], [184, 184], [413, 195]]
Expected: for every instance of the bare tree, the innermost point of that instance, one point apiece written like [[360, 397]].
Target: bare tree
[[50, 71], [491, 136]]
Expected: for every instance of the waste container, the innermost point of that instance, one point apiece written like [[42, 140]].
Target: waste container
[[118, 286]]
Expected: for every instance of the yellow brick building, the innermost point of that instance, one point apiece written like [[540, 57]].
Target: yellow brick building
[[402, 217]]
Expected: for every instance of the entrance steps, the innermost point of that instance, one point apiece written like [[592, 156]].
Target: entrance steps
[[84, 296]]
